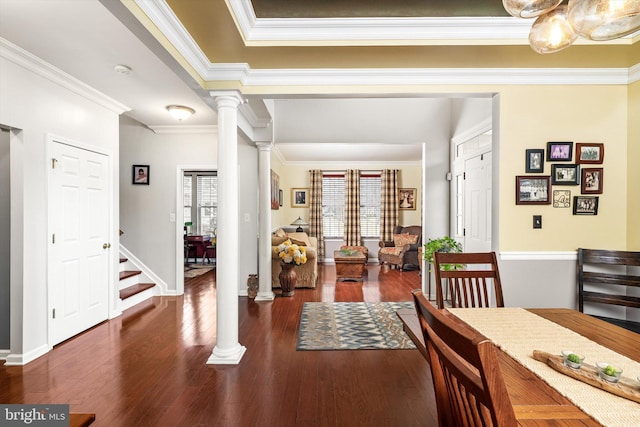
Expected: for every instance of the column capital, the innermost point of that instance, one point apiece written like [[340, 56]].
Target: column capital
[[264, 145], [227, 98]]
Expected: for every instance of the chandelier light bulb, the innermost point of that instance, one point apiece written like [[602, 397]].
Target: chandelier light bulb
[[602, 20], [552, 32], [529, 8]]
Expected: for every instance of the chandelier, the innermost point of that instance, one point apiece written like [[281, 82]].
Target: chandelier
[[559, 25]]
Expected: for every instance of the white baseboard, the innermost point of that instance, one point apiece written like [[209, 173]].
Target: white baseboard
[[23, 359]]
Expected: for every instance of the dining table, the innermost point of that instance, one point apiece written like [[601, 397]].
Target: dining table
[[535, 401]]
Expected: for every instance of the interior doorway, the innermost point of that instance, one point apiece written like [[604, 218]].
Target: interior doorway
[[472, 191], [196, 218]]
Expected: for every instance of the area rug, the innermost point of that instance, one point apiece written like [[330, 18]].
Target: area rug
[[352, 326], [195, 270]]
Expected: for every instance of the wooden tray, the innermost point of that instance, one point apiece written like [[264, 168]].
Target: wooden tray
[[627, 388]]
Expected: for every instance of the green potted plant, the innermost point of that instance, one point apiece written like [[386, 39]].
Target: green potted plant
[[443, 244]]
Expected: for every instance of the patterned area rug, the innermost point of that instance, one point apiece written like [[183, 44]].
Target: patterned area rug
[[195, 270], [352, 326]]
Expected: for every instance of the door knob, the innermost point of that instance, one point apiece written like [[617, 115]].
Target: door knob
[[106, 245]]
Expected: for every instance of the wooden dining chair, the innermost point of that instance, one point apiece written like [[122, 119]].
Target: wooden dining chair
[[467, 380], [468, 285]]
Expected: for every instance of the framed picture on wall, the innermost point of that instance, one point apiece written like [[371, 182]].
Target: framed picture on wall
[[140, 174], [299, 197], [280, 198], [533, 190], [407, 198], [561, 198], [275, 193], [591, 181], [565, 174], [589, 153], [534, 161], [559, 151], [585, 205]]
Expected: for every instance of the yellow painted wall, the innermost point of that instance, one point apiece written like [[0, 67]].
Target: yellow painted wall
[[633, 174], [297, 176], [531, 116]]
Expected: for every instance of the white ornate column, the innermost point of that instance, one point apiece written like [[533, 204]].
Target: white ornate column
[[227, 350], [265, 292]]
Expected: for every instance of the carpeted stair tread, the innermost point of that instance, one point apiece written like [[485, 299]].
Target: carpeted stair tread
[[135, 289], [128, 273]]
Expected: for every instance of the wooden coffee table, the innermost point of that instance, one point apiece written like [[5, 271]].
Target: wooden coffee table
[[349, 266]]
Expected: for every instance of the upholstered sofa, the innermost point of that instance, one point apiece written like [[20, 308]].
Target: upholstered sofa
[[307, 272], [402, 252]]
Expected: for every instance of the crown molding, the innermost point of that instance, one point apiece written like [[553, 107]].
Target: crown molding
[[419, 76], [634, 73], [32, 63], [503, 30], [167, 22], [184, 129]]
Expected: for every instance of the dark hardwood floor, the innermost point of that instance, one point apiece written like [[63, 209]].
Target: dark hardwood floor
[[147, 368]]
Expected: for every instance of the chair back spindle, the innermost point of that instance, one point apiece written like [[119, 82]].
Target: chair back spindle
[[471, 285]]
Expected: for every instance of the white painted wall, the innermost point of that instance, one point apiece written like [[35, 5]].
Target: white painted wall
[[5, 242], [39, 101], [144, 210], [248, 209]]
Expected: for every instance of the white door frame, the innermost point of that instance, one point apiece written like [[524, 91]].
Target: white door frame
[[458, 166], [180, 169], [113, 255]]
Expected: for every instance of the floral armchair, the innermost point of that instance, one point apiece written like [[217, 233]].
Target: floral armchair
[[402, 252]]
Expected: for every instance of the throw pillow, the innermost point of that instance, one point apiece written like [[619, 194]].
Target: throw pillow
[[280, 233], [399, 240], [300, 239], [276, 240]]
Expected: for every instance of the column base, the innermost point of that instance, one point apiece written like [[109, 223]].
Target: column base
[[233, 357], [265, 296]]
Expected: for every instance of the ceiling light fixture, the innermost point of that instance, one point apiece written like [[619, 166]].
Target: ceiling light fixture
[[558, 26], [122, 69], [180, 112]]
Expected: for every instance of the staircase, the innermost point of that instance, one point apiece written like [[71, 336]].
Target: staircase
[[135, 287]]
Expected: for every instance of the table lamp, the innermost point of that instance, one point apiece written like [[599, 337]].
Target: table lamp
[[299, 222]]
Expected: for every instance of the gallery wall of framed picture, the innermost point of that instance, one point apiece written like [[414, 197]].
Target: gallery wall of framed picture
[[571, 183]]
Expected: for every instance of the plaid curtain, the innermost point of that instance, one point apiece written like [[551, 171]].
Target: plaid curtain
[[388, 203], [352, 207], [315, 210]]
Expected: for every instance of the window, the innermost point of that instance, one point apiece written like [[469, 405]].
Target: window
[[333, 205], [201, 201], [370, 205]]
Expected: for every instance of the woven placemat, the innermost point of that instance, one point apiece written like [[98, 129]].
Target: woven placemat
[[518, 332]]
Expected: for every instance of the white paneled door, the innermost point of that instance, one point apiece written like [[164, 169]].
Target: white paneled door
[[477, 203], [79, 245]]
